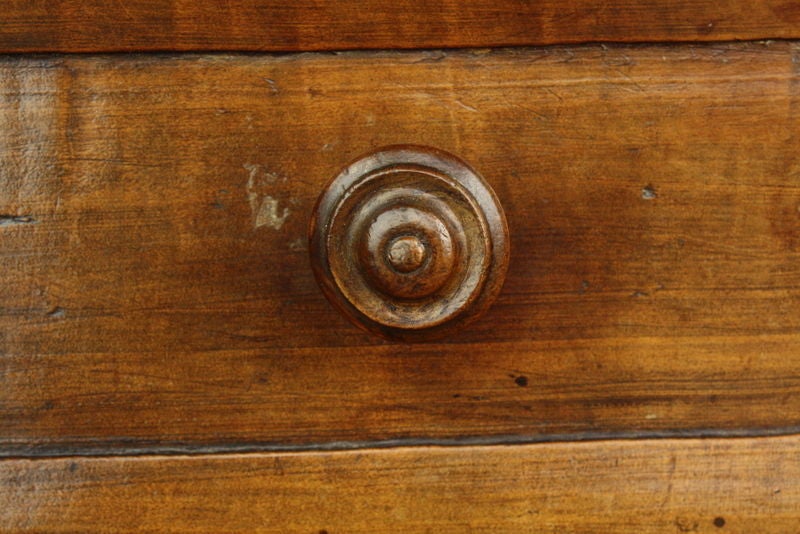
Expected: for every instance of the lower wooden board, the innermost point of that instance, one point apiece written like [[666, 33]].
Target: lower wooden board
[[156, 291], [658, 486]]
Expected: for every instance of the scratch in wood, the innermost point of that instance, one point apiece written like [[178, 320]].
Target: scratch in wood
[[673, 462], [549, 90], [273, 87], [539, 116], [633, 82], [465, 106]]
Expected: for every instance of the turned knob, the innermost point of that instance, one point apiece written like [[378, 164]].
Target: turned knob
[[409, 242]]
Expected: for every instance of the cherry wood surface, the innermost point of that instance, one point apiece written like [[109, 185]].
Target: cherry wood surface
[[275, 25], [157, 293], [663, 486]]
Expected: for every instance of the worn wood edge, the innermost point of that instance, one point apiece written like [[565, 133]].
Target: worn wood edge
[[434, 50], [321, 48], [135, 448], [682, 485]]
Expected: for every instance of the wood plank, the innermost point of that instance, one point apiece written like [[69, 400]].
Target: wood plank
[[303, 25], [733, 486], [156, 289]]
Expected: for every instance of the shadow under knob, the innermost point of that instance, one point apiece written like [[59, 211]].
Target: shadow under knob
[[409, 242]]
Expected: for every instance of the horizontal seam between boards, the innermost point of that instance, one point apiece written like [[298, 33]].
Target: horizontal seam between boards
[[109, 450], [279, 52]]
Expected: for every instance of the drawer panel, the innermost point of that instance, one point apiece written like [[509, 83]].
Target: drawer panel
[[303, 25], [747, 485], [156, 290]]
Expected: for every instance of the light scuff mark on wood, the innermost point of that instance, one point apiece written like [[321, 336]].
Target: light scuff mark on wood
[[56, 312], [270, 214], [265, 208], [299, 245]]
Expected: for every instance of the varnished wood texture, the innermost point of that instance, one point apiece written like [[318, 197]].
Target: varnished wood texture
[[275, 25], [670, 486], [156, 289]]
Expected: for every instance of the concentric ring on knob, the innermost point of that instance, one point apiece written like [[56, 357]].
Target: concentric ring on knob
[[409, 242], [407, 253]]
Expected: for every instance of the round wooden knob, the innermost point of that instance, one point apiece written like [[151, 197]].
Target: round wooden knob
[[409, 242]]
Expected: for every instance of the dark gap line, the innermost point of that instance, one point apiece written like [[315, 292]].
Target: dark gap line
[[118, 448], [171, 52], [10, 220]]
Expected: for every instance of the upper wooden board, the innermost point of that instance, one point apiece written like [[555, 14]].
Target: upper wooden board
[[275, 25], [157, 291]]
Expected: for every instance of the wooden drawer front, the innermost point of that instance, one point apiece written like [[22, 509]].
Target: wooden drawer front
[[157, 292]]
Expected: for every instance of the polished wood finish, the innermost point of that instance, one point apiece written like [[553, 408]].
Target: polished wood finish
[[702, 486], [157, 292], [409, 242], [276, 25]]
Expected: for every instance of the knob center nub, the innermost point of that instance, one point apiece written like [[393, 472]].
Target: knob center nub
[[406, 253]]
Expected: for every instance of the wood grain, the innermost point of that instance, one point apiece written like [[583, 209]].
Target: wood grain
[[273, 25], [156, 290], [702, 486]]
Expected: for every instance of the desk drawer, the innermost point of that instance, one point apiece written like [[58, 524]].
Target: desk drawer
[[157, 293]]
